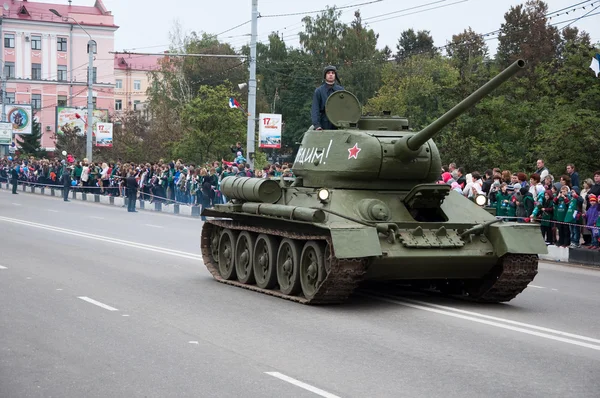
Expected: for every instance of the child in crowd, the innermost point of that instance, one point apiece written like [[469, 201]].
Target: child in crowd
[[592, 220], [544, 211], [561, 204]]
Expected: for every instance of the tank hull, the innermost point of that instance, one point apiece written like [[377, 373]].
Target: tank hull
[[429, 254]]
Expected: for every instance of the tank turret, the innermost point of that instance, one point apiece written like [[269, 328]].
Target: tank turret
[[368, 152]]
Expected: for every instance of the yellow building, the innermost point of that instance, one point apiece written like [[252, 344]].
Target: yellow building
[[132, 79]]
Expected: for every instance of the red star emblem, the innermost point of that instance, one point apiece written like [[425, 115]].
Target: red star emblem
[[353, 152]]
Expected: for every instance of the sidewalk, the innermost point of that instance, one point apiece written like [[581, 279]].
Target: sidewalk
[[173, 208]]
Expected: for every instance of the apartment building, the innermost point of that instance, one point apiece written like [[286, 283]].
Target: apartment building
[[45, 58], [132, 79]]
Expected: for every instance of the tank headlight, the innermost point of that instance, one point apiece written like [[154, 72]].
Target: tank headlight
[[481, 200], [323, 194]]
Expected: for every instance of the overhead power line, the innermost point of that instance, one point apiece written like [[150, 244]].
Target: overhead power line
[[317, 11]]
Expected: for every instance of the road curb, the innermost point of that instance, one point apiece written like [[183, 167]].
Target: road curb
[[117, 201]]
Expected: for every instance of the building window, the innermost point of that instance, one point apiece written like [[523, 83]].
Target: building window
[[61, 44], [9, 69], [135, 104], [119, 83], [36, 71], [62, 100], [9, 40], [118, 105], [10, 98], [137, 85], [94, 75], [36, 101], [36, 42], [62, 73]]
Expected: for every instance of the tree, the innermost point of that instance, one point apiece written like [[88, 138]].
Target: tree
[[526, 34], [131, 140], [411, 43], [209, 126], [31, 144], [322, 36], [71, 142]]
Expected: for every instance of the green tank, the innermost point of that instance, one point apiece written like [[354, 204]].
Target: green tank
[[365, 206]]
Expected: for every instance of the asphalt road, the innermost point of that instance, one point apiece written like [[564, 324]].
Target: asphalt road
[[99, 302]]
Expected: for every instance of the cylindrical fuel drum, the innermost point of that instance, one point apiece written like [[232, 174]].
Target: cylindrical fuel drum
[[251, 189]]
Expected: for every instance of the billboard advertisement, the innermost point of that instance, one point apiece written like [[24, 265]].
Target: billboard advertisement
[[67, 119], [104, 135], [21, 118], [6, 130], [269, 129]]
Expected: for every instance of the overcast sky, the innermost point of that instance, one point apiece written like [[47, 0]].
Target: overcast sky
[[145, 24]]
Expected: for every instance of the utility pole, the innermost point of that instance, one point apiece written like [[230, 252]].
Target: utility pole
[[90, 99], [251, 133]]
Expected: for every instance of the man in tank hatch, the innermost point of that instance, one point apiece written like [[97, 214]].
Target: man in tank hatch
[[329, 86]]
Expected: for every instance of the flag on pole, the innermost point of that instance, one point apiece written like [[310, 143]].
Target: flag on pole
[[233, 103], [595, 65]]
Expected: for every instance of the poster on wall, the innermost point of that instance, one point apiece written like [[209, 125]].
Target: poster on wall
[[20, 117], [6, 131], [269, 130], [67, 119], [104, 135]]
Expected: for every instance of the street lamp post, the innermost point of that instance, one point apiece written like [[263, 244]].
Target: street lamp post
[[90, 101]]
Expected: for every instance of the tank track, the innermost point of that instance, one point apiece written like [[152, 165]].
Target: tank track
[[342, 279], [509, 278]]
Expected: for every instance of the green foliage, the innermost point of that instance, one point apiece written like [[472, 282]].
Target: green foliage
[[209, 126], [31, 145], [260, 160], [71, 142]]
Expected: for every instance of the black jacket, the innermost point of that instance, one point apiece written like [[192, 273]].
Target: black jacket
[[319, 119]]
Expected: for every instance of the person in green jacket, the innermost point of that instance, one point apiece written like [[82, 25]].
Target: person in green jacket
[[502, 201], [512, 206], [561, 204], [544, 211]]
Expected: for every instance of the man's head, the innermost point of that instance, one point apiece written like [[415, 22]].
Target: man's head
[[540, 163], [330, 74], [570, 168]]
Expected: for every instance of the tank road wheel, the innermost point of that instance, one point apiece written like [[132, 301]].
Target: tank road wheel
[[265, 261], [244, 249], [312, 268], [227, 254], [288, 266], [215, 234]]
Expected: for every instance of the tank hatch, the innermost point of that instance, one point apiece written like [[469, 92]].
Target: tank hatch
[[343, 109], [383, 123]]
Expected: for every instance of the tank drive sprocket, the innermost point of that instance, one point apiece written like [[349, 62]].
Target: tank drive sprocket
[[506, 280], [341, 280]]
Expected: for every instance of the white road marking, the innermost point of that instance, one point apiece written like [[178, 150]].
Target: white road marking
[[300, 384], [59, 290], [99, 304], [124, 315], [457, 313], [3, 267], [121, 242], [153, 226], [96, 217], [536, 287], [52, 211], [17, 204], [193, 342], [28, 277]]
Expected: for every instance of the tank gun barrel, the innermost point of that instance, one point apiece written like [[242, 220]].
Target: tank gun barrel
[[408, 148]]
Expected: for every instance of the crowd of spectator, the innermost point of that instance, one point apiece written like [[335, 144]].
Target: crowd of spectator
[[164, 182], [568, 213]]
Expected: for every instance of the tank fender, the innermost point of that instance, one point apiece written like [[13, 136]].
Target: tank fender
[[517, 238], [355, 241]]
